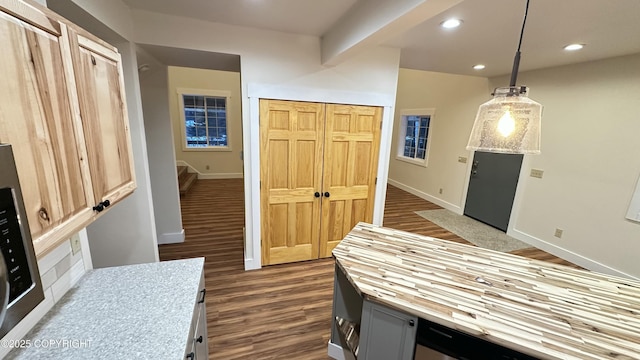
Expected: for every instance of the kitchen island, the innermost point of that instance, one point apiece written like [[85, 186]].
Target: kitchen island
[[146, 311], [388, 282]]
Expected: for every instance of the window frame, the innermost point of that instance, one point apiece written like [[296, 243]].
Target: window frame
[[183, 125], [402, 134]]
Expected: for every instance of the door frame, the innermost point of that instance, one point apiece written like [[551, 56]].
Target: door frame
[[251, 148]]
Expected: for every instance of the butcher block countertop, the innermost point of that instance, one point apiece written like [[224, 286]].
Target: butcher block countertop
[[542, 309]]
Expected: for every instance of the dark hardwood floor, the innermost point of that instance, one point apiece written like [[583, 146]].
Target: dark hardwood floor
[[281, 311]]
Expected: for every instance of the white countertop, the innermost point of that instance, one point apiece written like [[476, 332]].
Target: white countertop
[[129, 312], [546, 310]]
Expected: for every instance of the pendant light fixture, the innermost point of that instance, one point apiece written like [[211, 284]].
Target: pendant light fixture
[[510, 122]]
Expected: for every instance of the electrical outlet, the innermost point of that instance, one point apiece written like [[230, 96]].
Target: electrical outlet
[[207, 167], [558, 233], [75, 244], [537, 173], [462, 159]]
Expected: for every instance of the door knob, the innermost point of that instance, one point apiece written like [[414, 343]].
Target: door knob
[[326, 194], [317, 194], [412, 322]]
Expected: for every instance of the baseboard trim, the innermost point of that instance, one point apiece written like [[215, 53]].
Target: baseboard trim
[[202, 176], [251, 264], [568, 255], [338, 353], [423, 195], [171, 238]]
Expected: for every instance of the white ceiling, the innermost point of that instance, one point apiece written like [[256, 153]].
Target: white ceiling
[[489, 34], [308, 17]]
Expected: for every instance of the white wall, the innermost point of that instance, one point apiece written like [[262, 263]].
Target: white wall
[[161, 155], [455, 99], [280, 63], [225, 163], [590, 147]]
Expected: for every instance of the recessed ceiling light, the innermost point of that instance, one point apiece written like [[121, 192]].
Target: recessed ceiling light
[[451, 23], [478, 67], [573, 47]]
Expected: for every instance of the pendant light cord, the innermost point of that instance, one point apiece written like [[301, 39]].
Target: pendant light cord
[[516, 59]]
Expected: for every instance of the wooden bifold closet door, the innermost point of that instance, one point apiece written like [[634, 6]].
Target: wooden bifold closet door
[[318, 165]]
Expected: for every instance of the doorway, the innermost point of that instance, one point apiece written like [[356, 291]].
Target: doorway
[[492, 188]]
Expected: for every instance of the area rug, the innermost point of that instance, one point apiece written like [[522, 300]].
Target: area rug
[[473, 231]]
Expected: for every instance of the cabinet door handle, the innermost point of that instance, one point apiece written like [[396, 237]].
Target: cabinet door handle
[[204, 293], [326, 194], [412, 323], [106, 203], [191, 356], [199, 339], [317, 194], [98, 207]]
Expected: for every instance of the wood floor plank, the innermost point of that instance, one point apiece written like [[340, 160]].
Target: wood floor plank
[[281, 311]]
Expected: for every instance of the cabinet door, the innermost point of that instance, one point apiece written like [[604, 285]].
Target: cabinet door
[[386, 333], [39, 121], [100, 85], [200, 338]]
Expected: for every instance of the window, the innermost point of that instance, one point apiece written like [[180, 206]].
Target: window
[[413, 143], [204, 114]]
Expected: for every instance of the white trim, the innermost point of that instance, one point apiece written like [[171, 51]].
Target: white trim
[[251, 126], [171, 238], [383, 165], [251, 135], [634, 207], [423, 195], [338, 353], [568, 255], [209, 176], [298, 93], [203, 92], [523, 180], [85, 249]]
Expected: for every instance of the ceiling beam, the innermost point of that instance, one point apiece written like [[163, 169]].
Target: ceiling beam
[[371, 22]]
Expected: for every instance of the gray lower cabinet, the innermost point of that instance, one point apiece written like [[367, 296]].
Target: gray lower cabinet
[[198, 347], [386, 333]]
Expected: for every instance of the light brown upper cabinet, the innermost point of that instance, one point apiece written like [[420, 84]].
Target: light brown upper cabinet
[[98, 74], [318, 171], [40, 116]]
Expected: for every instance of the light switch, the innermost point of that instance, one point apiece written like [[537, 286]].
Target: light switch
[[462, 159], [537, 173]]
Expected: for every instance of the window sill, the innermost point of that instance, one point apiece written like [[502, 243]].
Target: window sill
[[211, 148], [418, 162]]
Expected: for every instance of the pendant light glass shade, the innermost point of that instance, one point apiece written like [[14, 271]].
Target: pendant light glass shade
[[508, 123]]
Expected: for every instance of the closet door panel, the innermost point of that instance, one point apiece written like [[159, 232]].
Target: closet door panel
[[352, 141], [291, 141]]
